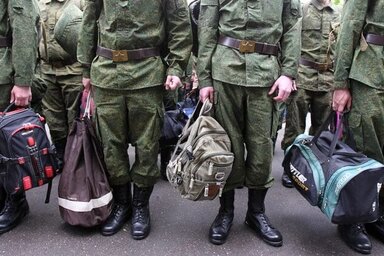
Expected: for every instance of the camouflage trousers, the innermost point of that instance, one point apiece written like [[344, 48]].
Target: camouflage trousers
[[60, 103], [302, 102], [135, 117], [366, 120], [250, 118]]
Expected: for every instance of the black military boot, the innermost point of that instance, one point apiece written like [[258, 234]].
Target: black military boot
[[376, 228], [356, 237], [2, 197], [258, 221], [60, 150], [121, 211], [286, 181], [15, 209], [140, 225], [220, 227]]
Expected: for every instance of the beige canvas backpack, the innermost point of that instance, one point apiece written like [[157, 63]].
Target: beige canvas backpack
[[202, 160]]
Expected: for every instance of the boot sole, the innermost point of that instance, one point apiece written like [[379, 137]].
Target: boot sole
[[140, 237], [15, 223], [251, 226], [219, 242]]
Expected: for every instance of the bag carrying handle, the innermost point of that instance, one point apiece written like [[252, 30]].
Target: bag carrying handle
[[202, 109], [340, 121], [87, 110]]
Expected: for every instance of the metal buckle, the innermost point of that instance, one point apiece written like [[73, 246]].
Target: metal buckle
[[247, 46], [119, 55]]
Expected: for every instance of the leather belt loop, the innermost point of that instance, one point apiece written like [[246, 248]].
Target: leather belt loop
[[248, 46], [375, 39], [321, 67], [5, 42], [126, 55]]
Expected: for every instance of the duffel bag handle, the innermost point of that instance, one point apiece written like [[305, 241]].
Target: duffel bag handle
[[339, 120]]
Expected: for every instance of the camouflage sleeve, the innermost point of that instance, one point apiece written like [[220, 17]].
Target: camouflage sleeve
[[179, 36], [86, 47], [208, 35], [352, 22], [24, 17], [291, 39]]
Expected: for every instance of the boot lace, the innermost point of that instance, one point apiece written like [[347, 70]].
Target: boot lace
[[358, 228], [139, 215]]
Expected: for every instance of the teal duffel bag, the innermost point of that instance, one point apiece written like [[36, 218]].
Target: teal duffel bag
[[327, 172]]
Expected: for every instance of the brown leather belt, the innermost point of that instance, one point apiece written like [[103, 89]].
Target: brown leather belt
[[126, 55], [5, 42], [375, 39], [316, 65], [248, 46]]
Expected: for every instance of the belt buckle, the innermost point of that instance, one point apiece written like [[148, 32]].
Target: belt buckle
[[119, 55], [247, 46]]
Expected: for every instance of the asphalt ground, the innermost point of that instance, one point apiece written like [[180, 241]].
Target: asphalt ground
[[180, 227]]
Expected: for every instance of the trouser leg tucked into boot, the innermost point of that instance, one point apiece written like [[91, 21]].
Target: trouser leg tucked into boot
[[140, 217], [15, 209], [2, 197], [121, 211], [258, 221], [60, 150], [220, 227]]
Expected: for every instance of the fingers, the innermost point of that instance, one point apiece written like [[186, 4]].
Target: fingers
[[273, 89], [168, 82]]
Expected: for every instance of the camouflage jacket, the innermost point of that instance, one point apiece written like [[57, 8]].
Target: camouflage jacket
[[134, 24], [19, 21], [355, 58], [318, 43], [265, 21], [54, 60]]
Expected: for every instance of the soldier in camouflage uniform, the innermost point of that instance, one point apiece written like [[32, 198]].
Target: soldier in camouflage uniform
[[61, 73], [248, 57], [359, 83], [315, 75], [119, 44], [18, 54]]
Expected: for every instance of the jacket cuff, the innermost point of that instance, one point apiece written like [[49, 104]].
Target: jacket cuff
[[340, 85], [175, 72], [23, 82], [292, 73]]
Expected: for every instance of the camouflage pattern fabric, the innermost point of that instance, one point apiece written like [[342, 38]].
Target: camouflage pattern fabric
[[60, 103], [356, 59], [318, 42], [241, 81], [263, 21], [17, 63], [60, 72], [135, 117], [142, 24], [360, 67], [302, 102], [254, 171], [129, 95]]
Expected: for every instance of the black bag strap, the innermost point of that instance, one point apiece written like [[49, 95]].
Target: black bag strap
[[342, 123]]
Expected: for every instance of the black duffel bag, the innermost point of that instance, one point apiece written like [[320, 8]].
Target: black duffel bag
[[331, 175]]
